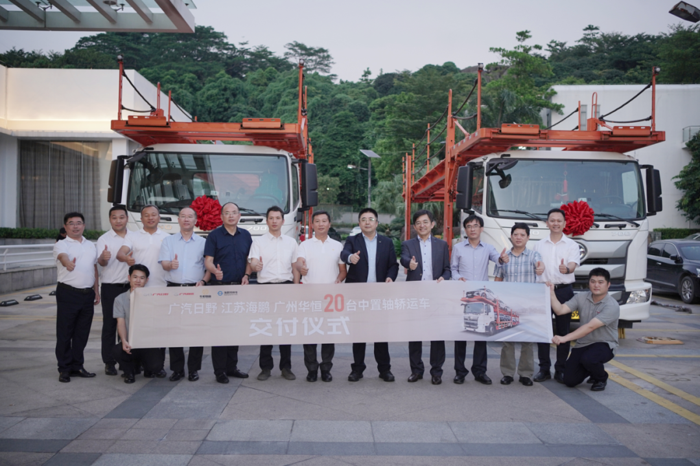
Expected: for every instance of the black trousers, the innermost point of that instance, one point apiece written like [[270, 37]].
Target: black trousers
[[109, 292], [381, 355], [149, 358], [266, 361], [437, 357], [311, 361], [223, 358], [587, 361], [561, 328], [177, 355], [75, 310], [478, 361]]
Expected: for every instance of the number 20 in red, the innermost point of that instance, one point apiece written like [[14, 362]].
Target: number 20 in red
[[338, 300]]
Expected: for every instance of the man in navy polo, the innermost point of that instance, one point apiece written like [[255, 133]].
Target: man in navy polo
[[226, 257]]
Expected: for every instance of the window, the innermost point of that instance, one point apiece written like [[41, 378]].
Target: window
[[655, 249], [478, 188], [669, 250]]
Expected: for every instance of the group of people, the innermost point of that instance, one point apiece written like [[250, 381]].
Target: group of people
[[123, 260]]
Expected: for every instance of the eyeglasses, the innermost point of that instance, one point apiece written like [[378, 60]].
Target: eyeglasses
[[75, 224], [368, 219], [472, 227]]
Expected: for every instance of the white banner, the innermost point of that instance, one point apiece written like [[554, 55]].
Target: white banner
[[342, 313]]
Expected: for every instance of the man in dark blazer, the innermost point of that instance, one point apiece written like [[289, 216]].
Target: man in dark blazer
[[426, 258], [371, 258]]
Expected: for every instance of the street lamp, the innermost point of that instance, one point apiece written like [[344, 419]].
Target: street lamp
[[686, 11], [370, 155]]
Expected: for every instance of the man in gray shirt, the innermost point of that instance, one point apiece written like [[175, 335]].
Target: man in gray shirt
[[596, 336], [129, 359]]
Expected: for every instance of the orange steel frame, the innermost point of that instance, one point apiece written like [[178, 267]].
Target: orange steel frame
[[157, 128], [439, 183]]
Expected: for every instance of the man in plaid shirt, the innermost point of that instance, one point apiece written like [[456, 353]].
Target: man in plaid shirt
[[523, 266]]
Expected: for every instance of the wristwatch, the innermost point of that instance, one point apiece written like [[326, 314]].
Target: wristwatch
[[246, 275]]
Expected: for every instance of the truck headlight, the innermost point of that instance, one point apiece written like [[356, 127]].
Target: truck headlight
[[639, 296]]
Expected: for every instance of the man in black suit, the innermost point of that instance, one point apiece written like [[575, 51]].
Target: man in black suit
[[432, 263], [371, 258]]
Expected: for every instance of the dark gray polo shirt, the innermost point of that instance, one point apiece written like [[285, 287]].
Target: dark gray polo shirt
[[606, 311]]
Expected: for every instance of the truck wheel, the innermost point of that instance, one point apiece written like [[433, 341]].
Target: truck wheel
[[492, 329], [687, 290]]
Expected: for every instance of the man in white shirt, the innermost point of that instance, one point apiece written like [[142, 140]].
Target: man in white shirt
[[319, 262], [144, 248], [182, 258], [76, 295], [114, 278], [560, 256], [272, 256]]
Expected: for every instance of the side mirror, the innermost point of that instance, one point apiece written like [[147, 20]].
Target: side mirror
[[464, 187], [309, 186], [653, 181], [116, 179], [677, 259]]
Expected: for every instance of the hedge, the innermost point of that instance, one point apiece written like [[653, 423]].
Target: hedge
[[41, 233], [676, 233]]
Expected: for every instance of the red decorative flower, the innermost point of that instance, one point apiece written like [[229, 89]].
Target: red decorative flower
[[208, 212], [579, 218]]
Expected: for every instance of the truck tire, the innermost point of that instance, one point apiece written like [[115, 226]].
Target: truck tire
[[492, 329]]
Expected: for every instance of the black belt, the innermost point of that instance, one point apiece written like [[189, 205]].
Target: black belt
[[72, 288], [217, 283], [276, 283], [121, 285], [181, 284], [561, 285]]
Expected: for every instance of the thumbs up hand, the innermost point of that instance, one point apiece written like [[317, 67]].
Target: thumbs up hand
[[130, 258], [539, 268], [219, 274], [413, 265], [174, 264], [257, 264], [71, 265], [355, 258], [504, 256], [106, 255], [563, 268], [304, 269]]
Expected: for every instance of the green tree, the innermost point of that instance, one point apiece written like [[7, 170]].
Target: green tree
[[679, 55], [328, 189], [315, 58], [689, 183]]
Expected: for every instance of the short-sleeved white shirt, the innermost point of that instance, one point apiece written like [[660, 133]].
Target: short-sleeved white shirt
[[322, 259], [114, 271], [278, 254], [85, 255], [552, 254], [146, 249]]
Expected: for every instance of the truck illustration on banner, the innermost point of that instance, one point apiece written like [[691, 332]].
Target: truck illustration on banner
[[485, 313]]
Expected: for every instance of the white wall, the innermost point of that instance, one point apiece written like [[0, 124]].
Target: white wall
[[58, 104], [677, 106]]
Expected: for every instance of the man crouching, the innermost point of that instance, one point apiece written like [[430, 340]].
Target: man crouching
[[596, 336], [130, 359]]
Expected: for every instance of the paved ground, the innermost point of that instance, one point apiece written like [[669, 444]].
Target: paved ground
[[649, 414]]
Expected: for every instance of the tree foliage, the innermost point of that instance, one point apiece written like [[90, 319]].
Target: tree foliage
[[689, 183]]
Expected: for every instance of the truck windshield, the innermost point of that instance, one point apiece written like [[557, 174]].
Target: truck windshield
[[475, 308], [172, 181], [536, 186]]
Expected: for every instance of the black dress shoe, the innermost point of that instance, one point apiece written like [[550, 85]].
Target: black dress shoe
[[326, 376], [483, 378], [312, 376], [507, 380], [354, 376], [436, 380], [110, 369], [237, 374], [590, 380], [193, 377], [221, 378], [129, 378], [559, 376], [527, 381], [82, 373], [598, 386], [175, 376], [459, 379], [149, 374], [64, 377], [161, 374], [415, 377], [541, 376], [387, 376]]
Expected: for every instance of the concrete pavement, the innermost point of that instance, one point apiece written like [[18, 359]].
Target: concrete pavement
[[649, 413]]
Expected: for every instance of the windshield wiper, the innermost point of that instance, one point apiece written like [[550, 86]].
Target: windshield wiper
[[522, 212], [249, 211], [615, 217]]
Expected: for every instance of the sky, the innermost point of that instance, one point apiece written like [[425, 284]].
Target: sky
[[393, 35]]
